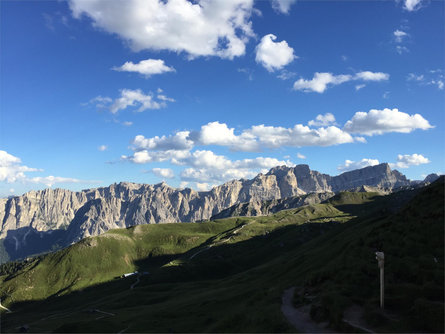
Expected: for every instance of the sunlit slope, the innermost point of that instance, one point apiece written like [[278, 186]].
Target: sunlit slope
[[143, 248]]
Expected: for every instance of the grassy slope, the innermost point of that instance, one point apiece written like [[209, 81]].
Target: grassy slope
[[236, 284]]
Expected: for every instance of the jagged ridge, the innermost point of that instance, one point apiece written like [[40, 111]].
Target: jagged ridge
[[94, 211]]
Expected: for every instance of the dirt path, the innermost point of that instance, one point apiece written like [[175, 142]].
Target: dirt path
[[219, 242], [298, 318], [354, 317], [138, 279]]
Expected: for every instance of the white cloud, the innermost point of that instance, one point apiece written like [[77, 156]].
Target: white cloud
[[208, 167], [215, 133], [254, 139], [351, 165], [386, 120], [179, 141], [401, 49], [273, 55], [282, 6], [299, 136], [202, 186], [49, 181], [412, 5], [246, 71], [183, 184], [438, 83], [322, 120], [199, 28], [321, 81], [205, 165], [285, 75], [12, 171], [371, 76], [432, 77], [403, 161], [146, 67], [301, 156], [358, 87], [163, 172], [100, 102], [407, 160], [360, 139], [102, 148], [131, 97], [415, 77], [399, 35]]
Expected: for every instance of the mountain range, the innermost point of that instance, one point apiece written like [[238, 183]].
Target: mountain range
[[39, 221]]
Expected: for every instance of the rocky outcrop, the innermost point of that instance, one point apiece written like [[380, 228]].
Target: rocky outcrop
[[94, 211], [257, 208], [431, 178]]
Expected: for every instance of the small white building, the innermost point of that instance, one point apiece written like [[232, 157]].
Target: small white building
[[130, 274]]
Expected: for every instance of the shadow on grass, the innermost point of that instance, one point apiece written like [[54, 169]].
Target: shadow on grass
[[160, 287]]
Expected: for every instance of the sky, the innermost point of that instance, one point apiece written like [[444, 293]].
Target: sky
[[197, 93]]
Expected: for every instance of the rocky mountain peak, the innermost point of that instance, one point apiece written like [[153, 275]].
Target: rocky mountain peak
[[94, 211]]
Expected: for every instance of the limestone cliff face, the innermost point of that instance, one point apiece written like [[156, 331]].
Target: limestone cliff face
[[263, 208], [94, 211]]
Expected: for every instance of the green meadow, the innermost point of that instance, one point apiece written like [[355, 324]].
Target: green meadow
[[229, 275]]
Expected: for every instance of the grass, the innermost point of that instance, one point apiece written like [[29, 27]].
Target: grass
[[236, 282]]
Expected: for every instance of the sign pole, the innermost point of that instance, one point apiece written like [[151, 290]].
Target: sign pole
[[380, 257]]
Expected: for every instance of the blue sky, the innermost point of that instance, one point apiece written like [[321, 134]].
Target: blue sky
[[96, 92]]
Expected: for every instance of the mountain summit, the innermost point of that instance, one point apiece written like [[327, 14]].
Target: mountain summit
[[57, 217]]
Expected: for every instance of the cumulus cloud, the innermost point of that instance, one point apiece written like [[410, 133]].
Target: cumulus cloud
[[215, 133], [403, 161], [322, 120], [209, 167], [273, 55], [282, 6], [146, 67], [205, 165], [12, 170], [135, 97], [199, 28], [102, 148], [322, 80], [179, 141], [351, 165], [376, 122], [407, 160], [163, 172], [412, 5], [254, 139]]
